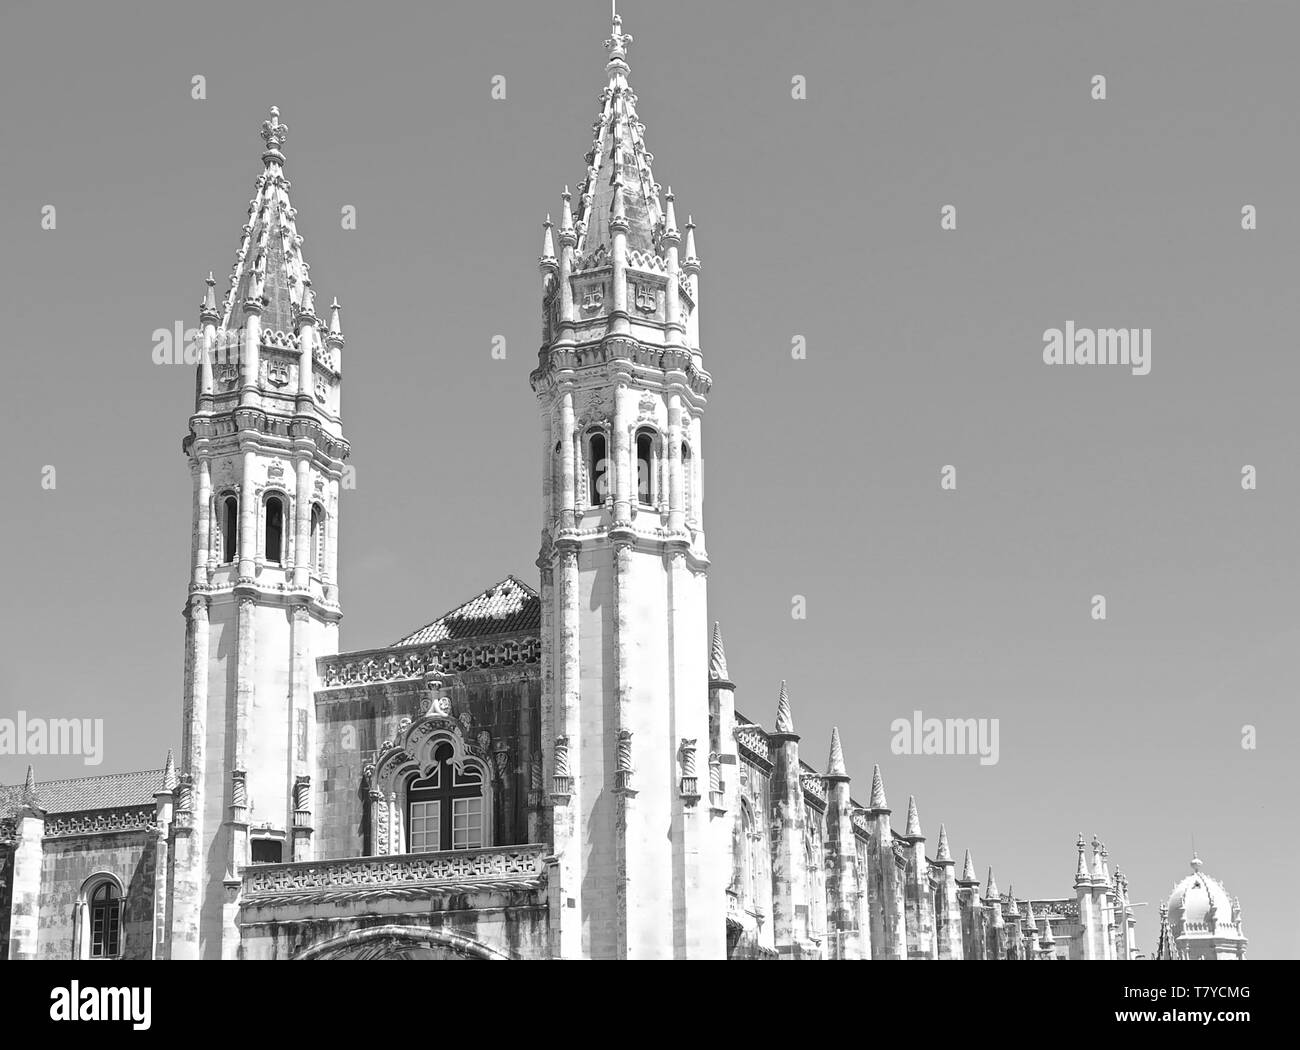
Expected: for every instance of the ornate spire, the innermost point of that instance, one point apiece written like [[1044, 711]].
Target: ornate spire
[[618, 154], [835, 766], [1030, 918], [1012, 907], [1081, 875], [717, 657], [913, 829], [968, 870], [877, 791], [992, 891], [270, 271], [784, 719], [690, 264], [30, 797], [169, 772], [209, 309], [944, 854]]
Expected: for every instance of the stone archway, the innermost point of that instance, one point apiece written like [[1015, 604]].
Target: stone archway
[[401, 942]]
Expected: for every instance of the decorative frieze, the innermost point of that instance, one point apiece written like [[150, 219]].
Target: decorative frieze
[[751, 738], [387, 876], [100, 821]]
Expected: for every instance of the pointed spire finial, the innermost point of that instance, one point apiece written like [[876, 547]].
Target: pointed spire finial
[[274, 134], [566, 216], [784, 719], [671, 232], [944, 853], [209, 309], [913, 828], [877, 790], [691, 263], [717, 656], [992, 891], [29, 787], [169, 772], [336, 328], [835, 767], [547, 260], [968, 870]]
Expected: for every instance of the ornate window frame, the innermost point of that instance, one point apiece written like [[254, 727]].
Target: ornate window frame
[[411, 756], [82, 933]]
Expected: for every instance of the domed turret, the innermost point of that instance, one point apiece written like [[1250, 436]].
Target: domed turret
[[1204, 918]]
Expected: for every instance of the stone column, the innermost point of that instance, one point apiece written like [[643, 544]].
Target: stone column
[[948, 923], [25, 906], [884, 888], [788, 904], [845, 937], [972, 912]]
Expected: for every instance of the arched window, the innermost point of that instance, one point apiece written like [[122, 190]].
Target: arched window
[[105, 906], [229, 522], [599, 469], [318, 539], [444, 810], [274, 529], [646, 481]]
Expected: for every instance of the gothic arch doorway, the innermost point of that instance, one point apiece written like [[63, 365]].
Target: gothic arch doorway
[[401, 942]]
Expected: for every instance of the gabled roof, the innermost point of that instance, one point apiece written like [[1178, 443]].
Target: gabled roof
[[77, 794], [506, 607]]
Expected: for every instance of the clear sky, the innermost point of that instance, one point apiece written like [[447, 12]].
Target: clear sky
[[816, 217]]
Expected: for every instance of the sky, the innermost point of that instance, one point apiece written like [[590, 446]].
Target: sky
[[817, 217]]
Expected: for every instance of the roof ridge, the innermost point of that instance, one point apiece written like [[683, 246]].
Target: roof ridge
[[94, 776], [528, 591]]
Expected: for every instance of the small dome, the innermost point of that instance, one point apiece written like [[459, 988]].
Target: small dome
[[1200, 906]]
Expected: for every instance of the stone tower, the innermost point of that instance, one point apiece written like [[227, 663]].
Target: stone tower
[[266, 452], [621, 389]]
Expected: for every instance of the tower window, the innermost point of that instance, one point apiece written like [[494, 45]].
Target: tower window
[[229, 527], [444, 810], [274, 529], [645, 461], [599, 471], [318, 538], [267, 851], [105, 922]]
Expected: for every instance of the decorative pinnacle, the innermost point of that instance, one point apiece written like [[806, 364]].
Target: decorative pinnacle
[[878, 791], [547, 261], [784, 719], [169, 773], [670, 217], [617, 45], [274, 134], [913, 829], [567, 232], [210, 298], [1081, 869], [717, 656], [992, 891], [29, 788], [1030, 918], [968, 870], [691, 264], [336, 328], [944, 853], [835, 767]]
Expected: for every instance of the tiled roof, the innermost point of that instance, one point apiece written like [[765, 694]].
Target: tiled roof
[[82, 793], [504, 608]]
